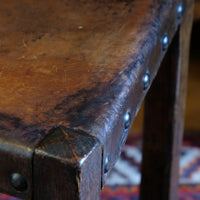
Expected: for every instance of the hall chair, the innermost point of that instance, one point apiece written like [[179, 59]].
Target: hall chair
[[73, 75]]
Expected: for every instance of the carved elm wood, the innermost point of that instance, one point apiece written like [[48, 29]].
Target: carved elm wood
[[69, 71]]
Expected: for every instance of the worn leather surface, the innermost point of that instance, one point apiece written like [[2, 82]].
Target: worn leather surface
[[78, 64]]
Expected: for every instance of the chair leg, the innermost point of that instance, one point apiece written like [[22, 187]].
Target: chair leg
[[164, 120]]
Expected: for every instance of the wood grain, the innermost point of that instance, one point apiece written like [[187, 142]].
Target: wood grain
[[67, 165]]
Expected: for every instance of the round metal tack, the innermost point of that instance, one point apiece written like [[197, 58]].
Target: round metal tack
[[165, 42], [127, 120], [18, 182], [146, 81]]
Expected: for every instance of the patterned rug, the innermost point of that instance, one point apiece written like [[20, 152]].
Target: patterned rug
[[121, 186], [186, 192]]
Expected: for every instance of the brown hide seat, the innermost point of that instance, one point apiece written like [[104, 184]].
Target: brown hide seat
[[73, 75]]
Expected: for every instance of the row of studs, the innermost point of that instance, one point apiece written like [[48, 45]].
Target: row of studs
[[145, 82]]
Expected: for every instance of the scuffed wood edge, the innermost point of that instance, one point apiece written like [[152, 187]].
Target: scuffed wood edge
[[67, 165]]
